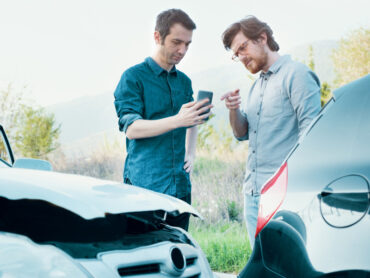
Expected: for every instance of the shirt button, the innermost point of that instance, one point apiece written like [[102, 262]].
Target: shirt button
[[254, 170], [265, 79], [254, 152], [258, 113], [255, 132]]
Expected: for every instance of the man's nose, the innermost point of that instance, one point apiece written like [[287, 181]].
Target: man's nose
[[242, 56], [182, 49]]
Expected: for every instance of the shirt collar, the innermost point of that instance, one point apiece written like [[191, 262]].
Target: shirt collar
[[157, 69], [274, 68], [279, 63]]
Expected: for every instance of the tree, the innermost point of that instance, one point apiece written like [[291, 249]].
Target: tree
[[36, 135], [352, 58], [325, 93], [325, 89], [30, 130], [10, 110], [311, 62]]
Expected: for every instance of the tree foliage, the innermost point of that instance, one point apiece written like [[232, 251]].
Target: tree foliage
[[325, 89], [10, 109], [31, 130], [352, 58], [311, 61], [205, 133], [217, 140], [36, 135], [325, 93]]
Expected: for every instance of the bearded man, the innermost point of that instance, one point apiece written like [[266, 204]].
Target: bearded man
[[280, 105]]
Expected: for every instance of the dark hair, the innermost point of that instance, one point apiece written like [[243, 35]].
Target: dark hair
[[252, 28], [166, 19]]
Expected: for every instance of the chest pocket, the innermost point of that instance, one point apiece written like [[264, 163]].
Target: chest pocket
[[272, 104]]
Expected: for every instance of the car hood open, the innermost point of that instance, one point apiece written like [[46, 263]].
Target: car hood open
[[85, 196]]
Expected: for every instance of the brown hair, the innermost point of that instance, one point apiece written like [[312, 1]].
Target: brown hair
[[252, 28], [166, 19]]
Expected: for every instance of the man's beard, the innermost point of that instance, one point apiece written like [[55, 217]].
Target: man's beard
[[258, 63]]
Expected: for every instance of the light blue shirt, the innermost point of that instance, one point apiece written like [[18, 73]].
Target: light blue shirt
[[280, 105]]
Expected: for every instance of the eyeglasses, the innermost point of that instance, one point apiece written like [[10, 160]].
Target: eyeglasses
[[241, 50]]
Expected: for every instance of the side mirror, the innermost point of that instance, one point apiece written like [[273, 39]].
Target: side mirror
[[31, 163]]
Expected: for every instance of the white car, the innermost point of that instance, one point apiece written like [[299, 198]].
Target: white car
[[61, 225]]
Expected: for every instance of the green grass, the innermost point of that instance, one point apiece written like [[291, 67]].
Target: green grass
[[225, 244], [203, 164], [217, 189], [217, 195]]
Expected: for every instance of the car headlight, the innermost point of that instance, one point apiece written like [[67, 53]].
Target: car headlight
[[20, 257]]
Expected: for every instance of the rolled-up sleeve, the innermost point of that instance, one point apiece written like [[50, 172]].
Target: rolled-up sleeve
[[305, 97], [128, 100]]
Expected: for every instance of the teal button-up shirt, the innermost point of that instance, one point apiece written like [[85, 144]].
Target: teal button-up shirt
[[280, 105], [147, 91]]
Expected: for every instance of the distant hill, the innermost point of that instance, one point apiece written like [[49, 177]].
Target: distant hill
[[85, 116], [85, 121]]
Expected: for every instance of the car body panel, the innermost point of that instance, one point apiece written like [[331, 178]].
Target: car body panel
[[323, 222], [331, 152], [88, 197]]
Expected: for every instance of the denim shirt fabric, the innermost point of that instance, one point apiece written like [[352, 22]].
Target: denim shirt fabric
[[279, 106], [147, 91]]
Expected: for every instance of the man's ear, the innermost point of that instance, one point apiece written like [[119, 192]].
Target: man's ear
[[263, 38], [157, 37]]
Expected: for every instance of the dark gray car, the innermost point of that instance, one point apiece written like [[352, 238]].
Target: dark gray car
[[314, 212]]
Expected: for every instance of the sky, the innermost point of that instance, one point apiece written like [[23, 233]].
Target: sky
[[58, 50]]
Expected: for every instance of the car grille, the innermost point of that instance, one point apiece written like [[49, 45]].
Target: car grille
[[190, 261], [138, 270], [159, 260]]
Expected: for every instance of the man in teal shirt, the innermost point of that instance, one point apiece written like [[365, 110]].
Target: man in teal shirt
[[155, 107]]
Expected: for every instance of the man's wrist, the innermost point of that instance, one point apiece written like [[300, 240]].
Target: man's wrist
[[234, 112], [174, 122]]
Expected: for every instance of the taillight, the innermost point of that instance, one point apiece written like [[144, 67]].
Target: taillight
[[272, 196]]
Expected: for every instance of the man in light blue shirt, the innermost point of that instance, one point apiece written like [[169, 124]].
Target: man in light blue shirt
[[280, 105]]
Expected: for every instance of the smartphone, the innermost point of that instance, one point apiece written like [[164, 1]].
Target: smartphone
[[202, 95]]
